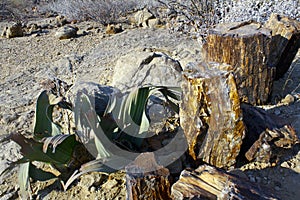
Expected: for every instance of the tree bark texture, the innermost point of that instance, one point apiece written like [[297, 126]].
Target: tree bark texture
[[285, 41], [247, 47], [209, 183], [210, 114], [145, 179]]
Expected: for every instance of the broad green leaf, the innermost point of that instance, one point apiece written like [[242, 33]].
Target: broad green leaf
[[23, 180], [98, 165], [174, 93], [89, 123], [133, 107], [33, 150], [44, 125], [53, 141], [39, 174], [132, 111]]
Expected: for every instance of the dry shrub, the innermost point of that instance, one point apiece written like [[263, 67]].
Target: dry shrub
[[16, 10], [103, 11], [202, 14]]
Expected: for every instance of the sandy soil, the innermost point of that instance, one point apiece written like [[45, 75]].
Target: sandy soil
[[28, 60]]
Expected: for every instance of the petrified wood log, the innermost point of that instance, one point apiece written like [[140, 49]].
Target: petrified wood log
[[207, 182], [287, 31], [267, 135], [145, 179], [246, 46], [210, 114]]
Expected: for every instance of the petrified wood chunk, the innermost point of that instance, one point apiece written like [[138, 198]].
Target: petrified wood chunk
[[246, 46], [285, 41], [207, 182], [210, 114], [145, 179], [267, 135]]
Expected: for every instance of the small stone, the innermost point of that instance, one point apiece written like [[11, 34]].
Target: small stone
[[8, 118], [154, 23], [277, 112], [110, 184], [277, 188], [252, 179], [14, 30], [142, 17], [92, 189], [289, 99], [265, 181], [35, 35], [60, 21], [258, 179], [66, 32], [113, 29], [33, 28], [45, 26]]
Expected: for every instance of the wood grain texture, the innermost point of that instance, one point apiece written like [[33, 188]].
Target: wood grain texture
[[246, 46], [210, 183], [285, 41], [210, 114], [145, 179]]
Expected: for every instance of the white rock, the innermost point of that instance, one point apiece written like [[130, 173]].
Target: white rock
[[141, 17], [140, 68], [66, 32]]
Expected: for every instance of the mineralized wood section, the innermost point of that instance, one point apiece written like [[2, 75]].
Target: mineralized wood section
[[210, 114], [209, 183], [267, 135], [285, 41], [267, 147], [147, 180], [246, 46]]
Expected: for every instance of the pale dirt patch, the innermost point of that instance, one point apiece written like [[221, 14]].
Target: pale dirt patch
[[25, 61]]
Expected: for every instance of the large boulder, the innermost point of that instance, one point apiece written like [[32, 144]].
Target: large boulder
[[100, 94], [140, 68]]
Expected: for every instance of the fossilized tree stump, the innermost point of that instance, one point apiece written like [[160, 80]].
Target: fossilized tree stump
[[286, 41], [246, 46], [145, 179], [210, 114], [207, 182]]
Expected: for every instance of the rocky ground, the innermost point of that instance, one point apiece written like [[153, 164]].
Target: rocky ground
[[26, 62]]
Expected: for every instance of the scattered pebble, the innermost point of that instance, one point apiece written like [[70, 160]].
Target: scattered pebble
[[8, 118], [277, 188], [92, 189], [277, 112], [258, 179], [289, 99], [252, 179]]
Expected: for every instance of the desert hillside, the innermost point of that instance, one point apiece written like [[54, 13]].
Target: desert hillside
[[46, 47]]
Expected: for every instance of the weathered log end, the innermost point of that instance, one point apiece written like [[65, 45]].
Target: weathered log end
[[210, 114], [285, 41], [207, 182], [246, 46], [145, 179]]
